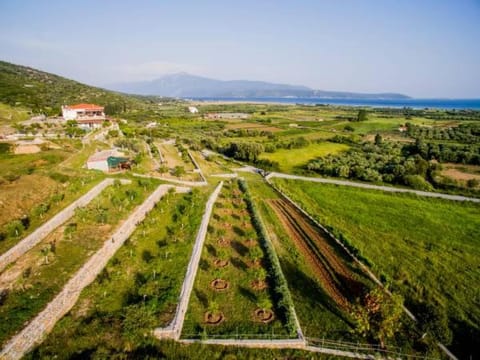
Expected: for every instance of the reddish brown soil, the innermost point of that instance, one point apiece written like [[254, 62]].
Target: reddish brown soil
[[219, 263], [214, 319], [219, 284], [250, 243], [223, 242], [263, 315], [258, 285], [330, 269]]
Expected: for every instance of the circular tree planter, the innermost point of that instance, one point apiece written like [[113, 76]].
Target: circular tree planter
[[223, 242], [264, 315], [220, 263], [253, 264], [259, 285], [214, 318], [219, 285], [250, 243]]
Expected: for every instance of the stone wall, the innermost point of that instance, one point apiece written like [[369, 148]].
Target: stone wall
[[39, 234], [41, 325]]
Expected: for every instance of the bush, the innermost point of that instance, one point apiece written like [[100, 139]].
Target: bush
[[5, 148], [282, 295], [417, 182], [15, 228], [59, 177]]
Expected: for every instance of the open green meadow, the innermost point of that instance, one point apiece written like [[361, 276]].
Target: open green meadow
[[426, 249], [292, 159]]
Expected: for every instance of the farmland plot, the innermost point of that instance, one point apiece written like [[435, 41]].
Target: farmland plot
[[232, 295]]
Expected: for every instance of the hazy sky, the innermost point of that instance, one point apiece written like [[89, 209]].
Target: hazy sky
[[423, 48]]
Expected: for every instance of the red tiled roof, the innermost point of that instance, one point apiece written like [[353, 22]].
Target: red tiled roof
[[85, 107]]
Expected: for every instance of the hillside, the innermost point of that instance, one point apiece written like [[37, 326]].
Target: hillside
[[26, 88], [186, 85]]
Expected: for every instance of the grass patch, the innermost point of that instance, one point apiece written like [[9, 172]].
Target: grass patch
[[54, 260], [291, 159], [427, 249], [232, 253], [138, 289]]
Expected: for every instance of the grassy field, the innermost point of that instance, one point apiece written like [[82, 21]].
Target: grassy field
[[138, 289], [427, 249], [10, 115], [35, 279], [232, 253], [291, 159], [318, 315]]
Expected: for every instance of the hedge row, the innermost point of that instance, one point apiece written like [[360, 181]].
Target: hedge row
[[282, 297]]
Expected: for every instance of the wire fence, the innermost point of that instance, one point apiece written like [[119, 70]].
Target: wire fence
[[373, 349]]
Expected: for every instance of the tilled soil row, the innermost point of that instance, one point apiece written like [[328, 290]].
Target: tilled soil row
[[298, 236]]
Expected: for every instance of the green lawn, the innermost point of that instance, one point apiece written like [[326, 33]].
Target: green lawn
[[427, 248], [290, 159]]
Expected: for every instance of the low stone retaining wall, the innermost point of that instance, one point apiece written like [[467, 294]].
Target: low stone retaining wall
[[174, 330], [270, 344], [35, 331], [39, 234], [175, 181]]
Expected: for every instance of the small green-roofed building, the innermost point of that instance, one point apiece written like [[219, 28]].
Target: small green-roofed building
[[108, 160]]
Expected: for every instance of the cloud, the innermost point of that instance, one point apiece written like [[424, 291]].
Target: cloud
[[151, 70]]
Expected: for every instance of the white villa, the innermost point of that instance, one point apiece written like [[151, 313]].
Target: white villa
[[88, 116], [193, 109]]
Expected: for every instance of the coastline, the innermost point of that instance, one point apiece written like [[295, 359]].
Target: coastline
[[418, 104]]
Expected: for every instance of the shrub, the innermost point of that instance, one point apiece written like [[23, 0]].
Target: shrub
[[15, 228], [417, 182], [284, 303]]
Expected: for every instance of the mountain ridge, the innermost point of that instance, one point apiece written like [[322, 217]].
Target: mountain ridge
[[186, 85]]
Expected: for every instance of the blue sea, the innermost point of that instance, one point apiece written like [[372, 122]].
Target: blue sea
[[459, 104]]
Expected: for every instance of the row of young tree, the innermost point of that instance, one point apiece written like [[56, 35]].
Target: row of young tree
[[464, 133]]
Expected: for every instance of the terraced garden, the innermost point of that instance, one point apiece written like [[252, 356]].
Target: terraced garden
[[30, 283], [137, 291], [233, 291], [340, 278]]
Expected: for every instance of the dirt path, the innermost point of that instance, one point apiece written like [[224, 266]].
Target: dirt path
[[324, 277]]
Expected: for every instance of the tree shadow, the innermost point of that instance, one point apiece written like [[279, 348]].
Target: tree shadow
[[241, 249], [238, 263], [201, 297], [211, 250], [247, 293], [236, 217], [204, 265], [238, 231]]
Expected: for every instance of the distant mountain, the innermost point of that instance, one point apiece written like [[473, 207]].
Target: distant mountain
[[186, 85]]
